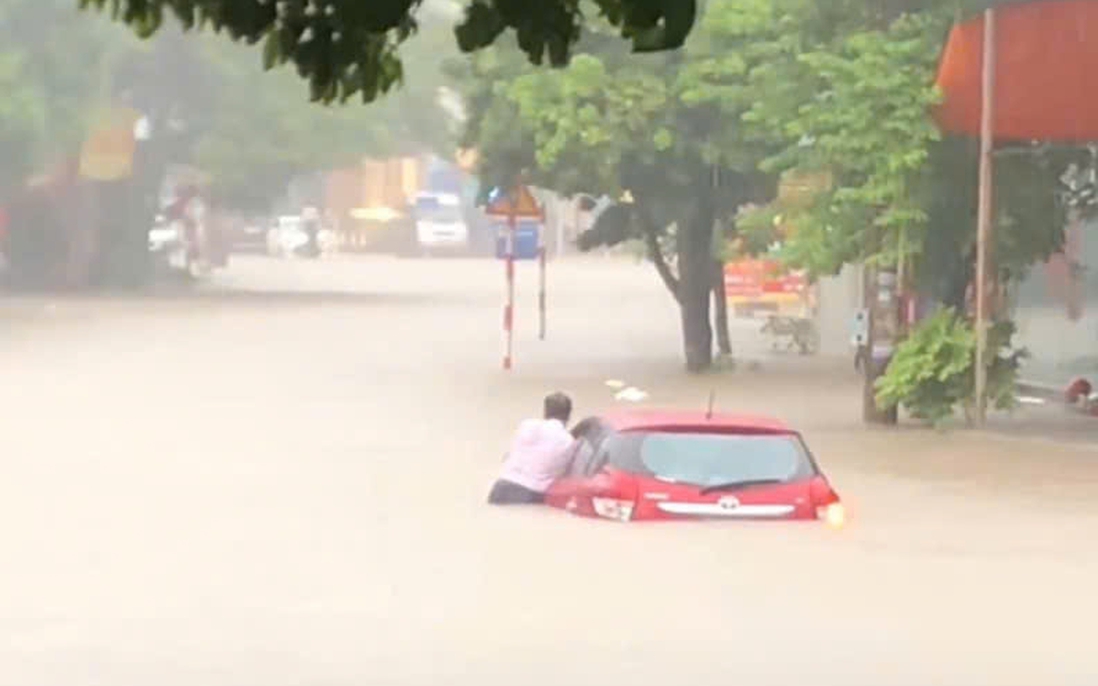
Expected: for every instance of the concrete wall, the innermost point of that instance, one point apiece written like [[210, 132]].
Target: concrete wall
[[1055, 311], [839, 298]]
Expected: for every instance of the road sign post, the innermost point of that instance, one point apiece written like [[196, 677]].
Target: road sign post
[[513, 206], [541, 281], [509, 304]]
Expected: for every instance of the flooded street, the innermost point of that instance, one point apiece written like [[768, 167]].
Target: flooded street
[[278, 480]]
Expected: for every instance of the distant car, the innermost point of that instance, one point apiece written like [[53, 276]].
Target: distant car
[[288, 237], [440, 224], [251, 236], [663, 465]]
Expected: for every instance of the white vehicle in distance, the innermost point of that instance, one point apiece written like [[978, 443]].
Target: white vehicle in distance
[[285, 236], [440, 223], [288, 237]]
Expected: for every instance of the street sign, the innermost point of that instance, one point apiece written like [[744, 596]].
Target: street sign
[[513, 207], [524, 245], [107, 154], [502, 206]]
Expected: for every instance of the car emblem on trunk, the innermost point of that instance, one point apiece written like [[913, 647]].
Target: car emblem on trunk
[[728, 503]]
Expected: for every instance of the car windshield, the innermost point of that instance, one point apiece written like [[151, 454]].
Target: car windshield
[[708, 460], [431, 210]]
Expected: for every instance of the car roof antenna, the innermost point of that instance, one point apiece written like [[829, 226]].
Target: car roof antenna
[[712, 400]]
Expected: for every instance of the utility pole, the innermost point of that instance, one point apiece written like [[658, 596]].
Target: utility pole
[[985, 209]]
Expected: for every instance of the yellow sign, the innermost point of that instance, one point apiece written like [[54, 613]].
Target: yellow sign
[[525, 206], [798, 189], [108, 153]]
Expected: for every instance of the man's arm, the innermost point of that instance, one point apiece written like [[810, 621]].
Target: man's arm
[[566, 454]]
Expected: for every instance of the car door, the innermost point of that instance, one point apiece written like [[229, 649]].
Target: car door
[[589, 435]]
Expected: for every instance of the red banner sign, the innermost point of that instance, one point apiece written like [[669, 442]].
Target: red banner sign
[[756, 278]]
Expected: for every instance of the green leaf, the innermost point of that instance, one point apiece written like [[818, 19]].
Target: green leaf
[[663, 139]]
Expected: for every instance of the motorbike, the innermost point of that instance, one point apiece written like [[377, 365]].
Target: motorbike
[[310, 247], [183, 244]]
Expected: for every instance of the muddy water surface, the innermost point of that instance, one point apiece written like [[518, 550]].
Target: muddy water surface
[[279, 479]]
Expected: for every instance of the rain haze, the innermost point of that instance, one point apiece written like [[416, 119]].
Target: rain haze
[[264, 346]]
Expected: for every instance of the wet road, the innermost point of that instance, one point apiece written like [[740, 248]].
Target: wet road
[[278, 480]]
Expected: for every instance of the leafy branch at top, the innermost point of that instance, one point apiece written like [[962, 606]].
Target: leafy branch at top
[[345, 48]]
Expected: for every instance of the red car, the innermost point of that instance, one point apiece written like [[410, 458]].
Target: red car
[[645, 465]]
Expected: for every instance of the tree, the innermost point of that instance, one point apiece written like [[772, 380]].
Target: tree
[[248, 170], [52, 102], [209, 104], [855, 105], [49, 98], [349, 47], [852, 95], [664, 130]]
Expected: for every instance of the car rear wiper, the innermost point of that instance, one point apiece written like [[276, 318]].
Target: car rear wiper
[[733, 485]]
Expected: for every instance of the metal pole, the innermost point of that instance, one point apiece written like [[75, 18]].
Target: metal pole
[[541, 278], [984, 218], [558, 219], [509, 272]]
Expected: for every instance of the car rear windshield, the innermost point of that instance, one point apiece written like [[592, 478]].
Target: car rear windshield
[[707, 459]]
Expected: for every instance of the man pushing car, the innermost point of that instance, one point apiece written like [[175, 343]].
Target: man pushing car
[[538, 456]]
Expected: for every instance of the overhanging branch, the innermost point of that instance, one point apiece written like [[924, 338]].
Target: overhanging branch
[[655, 253]]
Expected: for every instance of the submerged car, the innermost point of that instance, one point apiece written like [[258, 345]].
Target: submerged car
[[644, 465]]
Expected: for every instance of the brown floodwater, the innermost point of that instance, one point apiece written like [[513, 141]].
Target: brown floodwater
[[279, 478]]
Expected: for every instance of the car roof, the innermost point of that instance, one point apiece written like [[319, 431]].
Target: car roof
[[693, 421]]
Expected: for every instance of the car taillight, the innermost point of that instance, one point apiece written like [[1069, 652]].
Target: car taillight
[[613, 508], [828, 506]]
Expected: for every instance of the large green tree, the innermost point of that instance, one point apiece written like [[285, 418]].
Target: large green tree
[[849, 96], [851, 91], [663, 131], [209, 104], [260, 132], [50, 98], [349, 47]]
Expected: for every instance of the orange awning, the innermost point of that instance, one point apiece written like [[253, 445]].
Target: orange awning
[[1046, 83]]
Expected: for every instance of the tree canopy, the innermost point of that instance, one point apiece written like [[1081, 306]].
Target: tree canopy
[[852, 96], [763, 90], [50, 98], [664, 128], [349, 47], [261, 132], [209, 101]]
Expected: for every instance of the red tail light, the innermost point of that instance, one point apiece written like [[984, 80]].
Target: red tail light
[[829, 507]]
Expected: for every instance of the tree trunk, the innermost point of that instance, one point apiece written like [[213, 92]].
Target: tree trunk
[[697, 334], [655, 253], [695, 248], [720, 310], [124, 260]]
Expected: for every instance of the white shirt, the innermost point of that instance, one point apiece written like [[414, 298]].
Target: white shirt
[[538, 455]]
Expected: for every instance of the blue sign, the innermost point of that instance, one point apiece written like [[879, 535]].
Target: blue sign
[[526, 240]]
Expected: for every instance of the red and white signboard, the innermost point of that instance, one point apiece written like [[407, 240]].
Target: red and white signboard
[[761, 287], [756, 278]]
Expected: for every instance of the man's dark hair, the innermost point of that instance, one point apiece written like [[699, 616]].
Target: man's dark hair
[[558, 406]]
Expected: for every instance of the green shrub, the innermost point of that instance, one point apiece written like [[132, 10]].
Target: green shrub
[[933, 369]]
